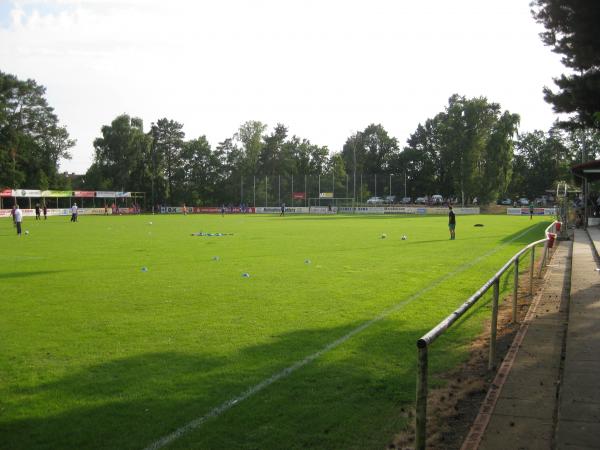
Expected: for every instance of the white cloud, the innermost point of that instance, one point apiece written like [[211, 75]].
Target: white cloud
[[324, 68]]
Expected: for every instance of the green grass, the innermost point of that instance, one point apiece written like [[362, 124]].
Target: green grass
[[96, 353]]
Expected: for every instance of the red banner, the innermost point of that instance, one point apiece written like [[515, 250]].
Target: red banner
[[84, 193], [299, 195], [6, 193]]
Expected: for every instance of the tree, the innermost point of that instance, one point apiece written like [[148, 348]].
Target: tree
[[465, 151], [572, 32], [167, 144], [250, 136], [32, 142], [370, 151], [542, 159], [203, 172], [122, 155]]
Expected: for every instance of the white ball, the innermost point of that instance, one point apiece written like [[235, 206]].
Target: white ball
[[404, 237], [26, 231]]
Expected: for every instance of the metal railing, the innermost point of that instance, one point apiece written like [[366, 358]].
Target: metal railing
[[425, 341]]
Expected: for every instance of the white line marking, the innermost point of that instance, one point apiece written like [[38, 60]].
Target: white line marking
[[166, 440]]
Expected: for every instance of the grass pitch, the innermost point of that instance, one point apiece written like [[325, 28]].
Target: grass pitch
[[117, 332]]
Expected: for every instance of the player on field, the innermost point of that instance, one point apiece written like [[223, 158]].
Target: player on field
[[451, 222], [18, 217], [74, 212]]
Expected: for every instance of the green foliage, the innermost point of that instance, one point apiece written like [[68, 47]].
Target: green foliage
[[465, 151], [31, 140], [572, 32], [542, 159], [121, 156], [370, 151]]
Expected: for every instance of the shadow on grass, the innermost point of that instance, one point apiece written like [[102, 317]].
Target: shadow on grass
[[34, 273], [350, 399]]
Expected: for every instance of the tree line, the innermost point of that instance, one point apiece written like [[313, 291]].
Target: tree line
[[471, 149]]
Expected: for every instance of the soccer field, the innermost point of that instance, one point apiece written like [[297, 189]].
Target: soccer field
[[118, 331]]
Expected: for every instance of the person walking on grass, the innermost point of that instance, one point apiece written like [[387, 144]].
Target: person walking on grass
[[282, 209], [74, 212], [37, 212], [45, 209], [18, 219], [531, 211], [451, 222]]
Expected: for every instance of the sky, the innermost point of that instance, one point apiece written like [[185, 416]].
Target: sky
[[323, 68]]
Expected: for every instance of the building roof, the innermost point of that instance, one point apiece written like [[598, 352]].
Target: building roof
[[589, 170]]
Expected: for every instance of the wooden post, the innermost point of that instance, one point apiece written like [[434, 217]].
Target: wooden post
[[515, 292], [494, 323], [421, 407]]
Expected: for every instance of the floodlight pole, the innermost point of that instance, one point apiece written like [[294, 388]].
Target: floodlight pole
[[354, 157]]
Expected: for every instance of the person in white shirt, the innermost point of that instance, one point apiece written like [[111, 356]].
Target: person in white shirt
[[74, 212], [18, 219]]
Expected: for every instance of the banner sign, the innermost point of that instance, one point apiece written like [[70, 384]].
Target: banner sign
[[7, 193], [299, 195], [94, 211], [326, 195], [27, 193], [57, 193], [122, 194], [536, 211], [106, 194], [288, 210], [399, 210], [84, 193]]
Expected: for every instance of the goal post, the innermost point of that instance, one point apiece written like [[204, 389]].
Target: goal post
[[331, 205]]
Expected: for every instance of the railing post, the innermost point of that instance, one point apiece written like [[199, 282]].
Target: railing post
[[543, 260], [531, 270], [515, 291], [421, 425], [494, 324]]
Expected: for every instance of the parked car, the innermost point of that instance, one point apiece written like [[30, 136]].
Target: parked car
[[437, 199], [390, 199], [406, 200], [374, 201], [421, 200], [523, 201]]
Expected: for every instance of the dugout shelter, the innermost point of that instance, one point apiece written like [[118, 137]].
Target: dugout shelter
[[587, 172]]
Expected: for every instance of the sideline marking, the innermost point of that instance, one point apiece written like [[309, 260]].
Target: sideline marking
[[215, 412]]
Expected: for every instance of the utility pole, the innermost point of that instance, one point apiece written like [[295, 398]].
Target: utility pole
[[354, 158]]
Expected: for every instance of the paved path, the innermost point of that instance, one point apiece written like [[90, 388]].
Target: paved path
[[579, 405], [524, 413], [550, 395]]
